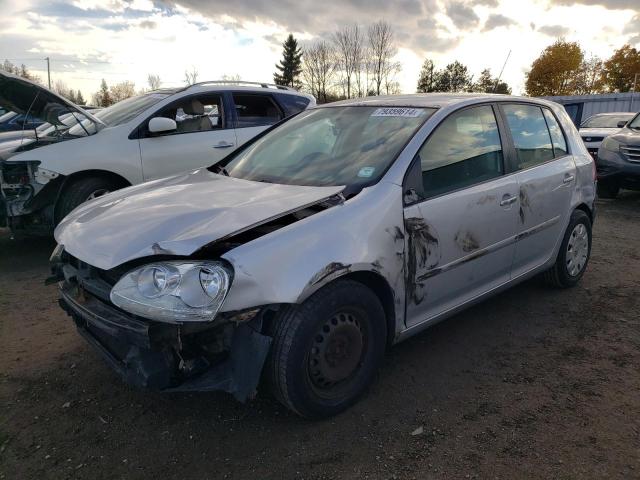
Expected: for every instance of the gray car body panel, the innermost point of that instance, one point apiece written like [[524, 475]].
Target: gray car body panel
[[363, 234]]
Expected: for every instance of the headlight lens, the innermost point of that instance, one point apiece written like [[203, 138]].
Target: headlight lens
[[174, 292], [611, 144]]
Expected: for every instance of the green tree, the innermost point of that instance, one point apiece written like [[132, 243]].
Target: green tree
[[80, 99], [290, 67], [454, 78], [620, 70], [555, 71], [427, 78], [102, 98], [486, 83]]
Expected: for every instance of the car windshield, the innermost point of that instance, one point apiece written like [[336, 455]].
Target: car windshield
[[330, 146], [125, 110], [635, 123], [606, 121]]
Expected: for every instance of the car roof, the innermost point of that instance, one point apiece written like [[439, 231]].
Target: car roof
[[253, 87], [434, 100]]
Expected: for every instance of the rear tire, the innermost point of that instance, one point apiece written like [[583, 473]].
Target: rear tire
[[574, 253], [326, 351], [608, 189], [80, 191]]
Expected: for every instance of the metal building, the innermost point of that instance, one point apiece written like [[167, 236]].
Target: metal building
[[581, 107]]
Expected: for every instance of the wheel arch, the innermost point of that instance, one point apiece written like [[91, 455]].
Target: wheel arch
[[585, 208]]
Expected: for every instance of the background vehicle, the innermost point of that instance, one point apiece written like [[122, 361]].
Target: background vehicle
[[346, 229], [142, 138], [597, 127], [12, 121], [618, 162]]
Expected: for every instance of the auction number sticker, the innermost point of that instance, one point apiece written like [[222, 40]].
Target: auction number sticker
[[397, 112]]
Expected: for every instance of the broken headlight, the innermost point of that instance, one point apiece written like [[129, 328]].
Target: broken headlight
[[174, 291]]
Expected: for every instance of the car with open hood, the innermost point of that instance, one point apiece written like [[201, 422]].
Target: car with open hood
[[618, 161], [598, 127], [302, 256], [81, 155]]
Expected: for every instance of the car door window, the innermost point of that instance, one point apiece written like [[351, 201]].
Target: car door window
[[557, 137], [255, 110], [200, 113], [292, 104], [530, 134], [465, 149]]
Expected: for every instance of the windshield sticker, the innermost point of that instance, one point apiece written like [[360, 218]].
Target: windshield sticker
[[366, 172], [397, 112]]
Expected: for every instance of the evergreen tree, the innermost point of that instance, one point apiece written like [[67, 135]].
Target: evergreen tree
[[102, 98], [488, 84], [80, 99], [290, 66], [427, 78]]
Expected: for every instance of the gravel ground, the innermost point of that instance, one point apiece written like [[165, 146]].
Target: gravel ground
[[535, 383]]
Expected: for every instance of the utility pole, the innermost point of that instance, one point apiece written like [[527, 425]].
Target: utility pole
[[48, 72], [633, 95]]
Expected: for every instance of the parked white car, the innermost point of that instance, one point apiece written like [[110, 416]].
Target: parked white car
[[149, 136], [598, 127]]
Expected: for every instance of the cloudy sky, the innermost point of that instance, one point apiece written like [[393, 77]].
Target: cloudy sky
[[127, 39]]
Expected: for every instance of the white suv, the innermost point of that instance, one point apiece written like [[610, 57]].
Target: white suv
[[149, 136]]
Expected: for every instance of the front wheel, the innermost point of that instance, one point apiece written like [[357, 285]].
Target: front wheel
[[326, 351], [574, 253], [80, 191]]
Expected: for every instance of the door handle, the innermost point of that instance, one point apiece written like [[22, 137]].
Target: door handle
[[508, 200], [223, 145], [568, 178]]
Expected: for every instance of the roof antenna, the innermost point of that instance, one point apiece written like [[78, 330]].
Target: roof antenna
[[495, 87]]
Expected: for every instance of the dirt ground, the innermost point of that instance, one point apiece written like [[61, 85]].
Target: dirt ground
[[534, 383]]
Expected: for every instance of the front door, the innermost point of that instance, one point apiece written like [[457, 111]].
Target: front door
[[461, 216], [201, 139], [546, 179]]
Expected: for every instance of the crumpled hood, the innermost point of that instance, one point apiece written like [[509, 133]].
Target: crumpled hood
[[176, 216]]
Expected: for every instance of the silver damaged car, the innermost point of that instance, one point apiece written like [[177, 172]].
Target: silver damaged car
[[296, 261]]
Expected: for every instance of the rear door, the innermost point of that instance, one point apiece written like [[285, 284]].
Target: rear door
[[546, 176], [254, 113], [460, 215], [203, 137]]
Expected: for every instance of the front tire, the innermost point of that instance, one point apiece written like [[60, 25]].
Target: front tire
[[574, 253], [80, 191], [326, 351]]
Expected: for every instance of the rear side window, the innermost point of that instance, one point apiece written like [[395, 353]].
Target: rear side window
[[292, 104], [256, 110], [530, 134], [557, 138], [464, 150]]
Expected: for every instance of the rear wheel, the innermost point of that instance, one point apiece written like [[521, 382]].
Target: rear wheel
[[327, 350], [80, 191], [574, 253], [608, 189]]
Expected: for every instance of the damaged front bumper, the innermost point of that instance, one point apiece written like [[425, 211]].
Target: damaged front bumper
[[225, 355], [27, 205]]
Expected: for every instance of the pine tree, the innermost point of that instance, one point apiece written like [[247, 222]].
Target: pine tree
[[427, 79], [103, 97], [80, 99], [290, 66]]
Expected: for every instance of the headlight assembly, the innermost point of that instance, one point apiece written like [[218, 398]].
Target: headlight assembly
[[174, 292], [611, 144]]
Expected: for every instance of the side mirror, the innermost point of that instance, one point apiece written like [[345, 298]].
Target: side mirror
[[622, 123], [162, 125]]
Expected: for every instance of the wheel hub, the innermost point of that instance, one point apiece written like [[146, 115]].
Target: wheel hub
[[577, 250], [97, 193], [336, 351]]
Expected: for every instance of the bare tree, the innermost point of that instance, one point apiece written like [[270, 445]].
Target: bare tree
[[382, 50], [231, 78], [122, 90], [153, 81], [191, 77], [318, 68], [348, 46]]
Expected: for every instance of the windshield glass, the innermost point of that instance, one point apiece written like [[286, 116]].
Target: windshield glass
[[635, 123], [125, 110], [330, 146], [606, 121]]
